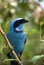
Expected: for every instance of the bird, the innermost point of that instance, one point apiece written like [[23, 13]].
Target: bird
[[16, 37]]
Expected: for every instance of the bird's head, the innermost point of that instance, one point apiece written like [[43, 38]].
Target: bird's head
[[17, 24]]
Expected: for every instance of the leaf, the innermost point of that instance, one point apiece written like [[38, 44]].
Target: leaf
[[37, 57], [42, 40], [6, 60], [5, 50]]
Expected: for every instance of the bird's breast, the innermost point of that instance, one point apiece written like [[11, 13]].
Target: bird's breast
[[17, 41]]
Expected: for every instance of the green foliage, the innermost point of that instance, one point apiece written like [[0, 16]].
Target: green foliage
[[5, 50], [2, 58], [38, 60], [8, 60]]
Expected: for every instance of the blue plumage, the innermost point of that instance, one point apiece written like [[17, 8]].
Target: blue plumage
[[16, 36]]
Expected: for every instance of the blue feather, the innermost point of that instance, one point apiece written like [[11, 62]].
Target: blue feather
[[17, 39]]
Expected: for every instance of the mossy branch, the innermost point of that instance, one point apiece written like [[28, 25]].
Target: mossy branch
[[9, 45]]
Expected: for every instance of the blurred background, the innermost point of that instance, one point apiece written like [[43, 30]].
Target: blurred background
[[33, 10]]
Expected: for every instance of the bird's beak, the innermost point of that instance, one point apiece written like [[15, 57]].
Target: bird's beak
[[24, 21]]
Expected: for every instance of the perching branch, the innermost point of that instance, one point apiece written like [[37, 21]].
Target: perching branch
[[9, 45]]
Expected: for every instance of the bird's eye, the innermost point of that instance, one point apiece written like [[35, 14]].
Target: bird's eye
[[17, 23]]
